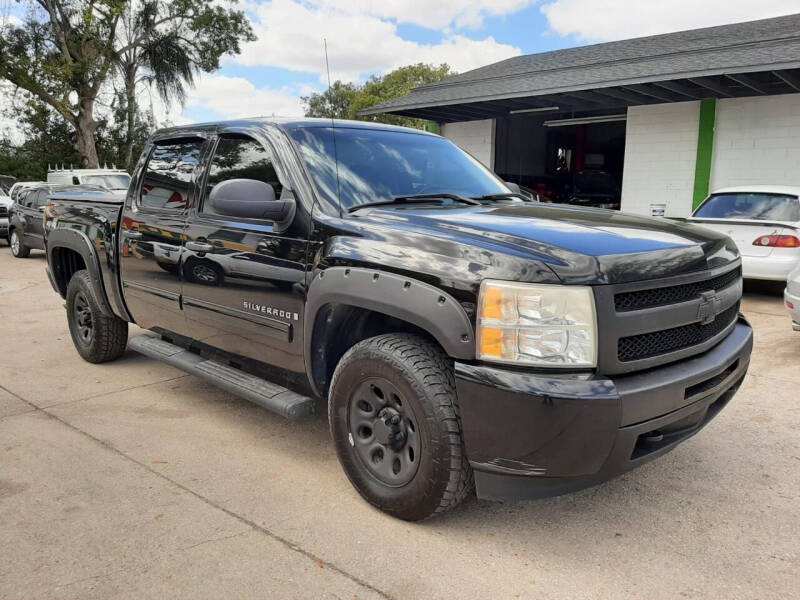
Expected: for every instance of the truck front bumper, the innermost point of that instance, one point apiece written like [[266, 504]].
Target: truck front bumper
[[535, 435]]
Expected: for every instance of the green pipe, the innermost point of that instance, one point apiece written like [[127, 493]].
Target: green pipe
[[705, 147]]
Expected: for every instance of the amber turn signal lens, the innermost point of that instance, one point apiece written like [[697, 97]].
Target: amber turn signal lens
[[491, 342], [492, 304]]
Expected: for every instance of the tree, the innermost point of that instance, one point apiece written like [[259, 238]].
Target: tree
[[64, 60], [49, 140], [336, 102], [167, 42], [344, 100], [66, 51]]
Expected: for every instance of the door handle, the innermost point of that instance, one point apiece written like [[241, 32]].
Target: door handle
[[132, 234], [199, 246]]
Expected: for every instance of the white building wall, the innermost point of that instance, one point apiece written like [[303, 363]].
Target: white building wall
[[476, 137], [757, 140], [660, 155]]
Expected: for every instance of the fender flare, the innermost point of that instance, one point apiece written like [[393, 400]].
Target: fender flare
[[80, 243], [404, 298]]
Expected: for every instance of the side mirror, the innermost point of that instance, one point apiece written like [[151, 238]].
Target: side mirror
[[514, 187], [251, 199]]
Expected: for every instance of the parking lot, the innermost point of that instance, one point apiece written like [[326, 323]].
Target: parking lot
[[133, 480]]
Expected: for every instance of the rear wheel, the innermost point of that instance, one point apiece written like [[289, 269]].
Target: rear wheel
[[18, 247], [97, 337], [395, 424]]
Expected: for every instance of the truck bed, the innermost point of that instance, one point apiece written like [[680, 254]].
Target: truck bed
[[90, 196]]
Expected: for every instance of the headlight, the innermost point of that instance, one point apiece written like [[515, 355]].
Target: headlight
[[544, 325]]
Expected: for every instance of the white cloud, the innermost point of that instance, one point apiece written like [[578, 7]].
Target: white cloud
[[234, 97], [290, 35], [594, 20], [432, 14]]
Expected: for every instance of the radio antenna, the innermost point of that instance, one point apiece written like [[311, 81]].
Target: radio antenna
[[333, 125], [328, 70]]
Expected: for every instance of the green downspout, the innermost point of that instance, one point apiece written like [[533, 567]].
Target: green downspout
[[432, 126], [705, 147]]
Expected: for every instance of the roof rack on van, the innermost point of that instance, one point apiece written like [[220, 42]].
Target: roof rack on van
[[63, 169]]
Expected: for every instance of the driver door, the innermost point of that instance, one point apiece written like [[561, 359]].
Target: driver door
[[244, 279]]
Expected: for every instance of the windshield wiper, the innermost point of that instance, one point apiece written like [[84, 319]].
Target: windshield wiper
[[504, 196], [418, 198]]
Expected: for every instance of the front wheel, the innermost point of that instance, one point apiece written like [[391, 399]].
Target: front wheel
[[18, 247], [394, 420], [97, 337]]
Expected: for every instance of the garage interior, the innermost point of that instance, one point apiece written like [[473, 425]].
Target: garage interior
[[578, 160], [696, 109]]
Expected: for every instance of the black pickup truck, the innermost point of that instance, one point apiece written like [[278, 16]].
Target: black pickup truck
[[458, 333]]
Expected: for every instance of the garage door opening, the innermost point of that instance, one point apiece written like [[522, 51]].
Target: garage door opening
[[570, 160]]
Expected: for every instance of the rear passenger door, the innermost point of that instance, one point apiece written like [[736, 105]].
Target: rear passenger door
[[152, 233], [35, 226], [244, 286], [31, 217]]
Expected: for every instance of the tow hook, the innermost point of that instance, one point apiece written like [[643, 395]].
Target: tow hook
[[652, 437]]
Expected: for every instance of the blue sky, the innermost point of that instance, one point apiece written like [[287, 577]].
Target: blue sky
[[375, 36]]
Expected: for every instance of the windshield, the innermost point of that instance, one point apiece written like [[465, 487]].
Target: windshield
[[377, 165], [759, 207], [110, 182]]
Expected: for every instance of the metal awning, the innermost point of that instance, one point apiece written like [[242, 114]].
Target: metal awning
[[757, 58]]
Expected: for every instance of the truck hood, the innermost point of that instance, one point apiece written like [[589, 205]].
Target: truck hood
[[580, 245]]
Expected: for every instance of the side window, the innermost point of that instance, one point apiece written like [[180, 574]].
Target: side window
[[167, 180], [240, 157], [39, 199]]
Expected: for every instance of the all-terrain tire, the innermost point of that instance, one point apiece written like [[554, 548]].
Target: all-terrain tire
[[418, 371], [97, 337], [18, 247]]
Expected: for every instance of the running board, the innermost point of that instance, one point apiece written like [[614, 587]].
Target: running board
[[273, 397]]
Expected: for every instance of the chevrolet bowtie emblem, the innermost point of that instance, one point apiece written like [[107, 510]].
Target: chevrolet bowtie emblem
[[709, 307]]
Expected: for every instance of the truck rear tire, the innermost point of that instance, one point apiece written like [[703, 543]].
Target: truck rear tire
[[18, 248], [98, 338], [394, 419]]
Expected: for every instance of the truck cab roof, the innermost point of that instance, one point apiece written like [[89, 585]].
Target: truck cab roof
[[287, 123]]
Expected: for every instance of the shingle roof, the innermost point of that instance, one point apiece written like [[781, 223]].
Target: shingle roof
[[751, 47]]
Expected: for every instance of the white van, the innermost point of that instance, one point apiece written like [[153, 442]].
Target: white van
[[110, 179]]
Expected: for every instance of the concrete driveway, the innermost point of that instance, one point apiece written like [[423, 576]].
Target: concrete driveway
[[133, 480]]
